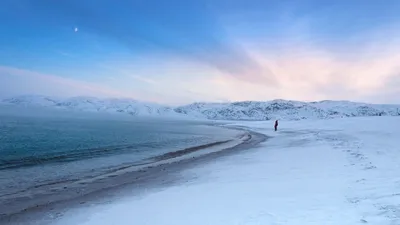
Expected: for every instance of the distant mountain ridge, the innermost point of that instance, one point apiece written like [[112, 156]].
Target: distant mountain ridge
[[287, 110], [92, 104], [244, 110]]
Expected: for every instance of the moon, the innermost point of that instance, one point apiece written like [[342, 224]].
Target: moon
[[76, 29]]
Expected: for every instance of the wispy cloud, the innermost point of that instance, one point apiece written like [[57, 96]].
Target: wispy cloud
[[308, 72], [180, 51], [66, 54], [27, 81], [126, 72], [15, 81], [164, 30], [144, 79]]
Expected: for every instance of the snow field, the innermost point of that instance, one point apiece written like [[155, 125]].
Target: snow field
[[341, 171]]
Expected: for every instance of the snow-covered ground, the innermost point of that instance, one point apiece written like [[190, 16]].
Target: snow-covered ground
[[320, 172]]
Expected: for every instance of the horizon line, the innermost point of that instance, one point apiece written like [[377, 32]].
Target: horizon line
[[194, 102]]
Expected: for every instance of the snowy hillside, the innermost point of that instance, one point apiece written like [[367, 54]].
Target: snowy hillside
[[90, 104], [247, 110], [286, 110]]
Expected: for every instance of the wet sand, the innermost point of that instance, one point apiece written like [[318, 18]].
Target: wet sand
[[48, 206]]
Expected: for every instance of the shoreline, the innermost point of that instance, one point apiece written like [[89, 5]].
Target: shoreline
[[128, 180]]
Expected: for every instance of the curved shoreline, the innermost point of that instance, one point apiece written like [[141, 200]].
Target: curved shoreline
[[161, 171], [123, 167]]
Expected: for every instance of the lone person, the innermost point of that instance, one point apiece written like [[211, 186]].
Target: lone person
[[276, 125]]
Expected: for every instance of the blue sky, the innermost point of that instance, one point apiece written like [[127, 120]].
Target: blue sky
[[179, 51]]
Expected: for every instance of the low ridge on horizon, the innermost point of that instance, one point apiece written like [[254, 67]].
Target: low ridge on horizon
[[240, 110], [88, 97]]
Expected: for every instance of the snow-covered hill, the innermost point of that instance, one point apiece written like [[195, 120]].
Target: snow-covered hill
[[286, 110], [91, 104], [247, 110]]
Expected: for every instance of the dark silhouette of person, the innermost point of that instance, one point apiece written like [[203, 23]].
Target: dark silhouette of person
[[276, 125]]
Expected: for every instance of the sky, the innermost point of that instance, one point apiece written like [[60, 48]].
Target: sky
[[183, 51]]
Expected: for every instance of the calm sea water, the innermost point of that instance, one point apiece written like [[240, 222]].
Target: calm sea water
[[39, 147]]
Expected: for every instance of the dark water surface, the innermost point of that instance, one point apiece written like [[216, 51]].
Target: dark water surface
[[42, 147]]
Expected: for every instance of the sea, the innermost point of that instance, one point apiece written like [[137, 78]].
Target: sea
[[42, 146]]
